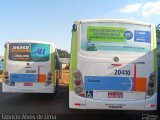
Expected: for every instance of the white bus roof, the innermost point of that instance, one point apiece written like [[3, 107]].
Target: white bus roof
[[112, 20]]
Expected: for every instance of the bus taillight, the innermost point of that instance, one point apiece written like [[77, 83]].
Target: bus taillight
[[78, 83], [78, 90], [49, 74], [6, 77], [77, 74], [151, 85], [6, 73], [49, 78]]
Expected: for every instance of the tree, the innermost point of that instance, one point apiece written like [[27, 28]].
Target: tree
[[63, 53], [158, 31]]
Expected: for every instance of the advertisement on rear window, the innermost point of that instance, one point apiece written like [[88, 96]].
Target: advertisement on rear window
[[115, 37], [29, 52]]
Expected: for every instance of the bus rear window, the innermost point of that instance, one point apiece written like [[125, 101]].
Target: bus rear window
[[115, 37], [29, 52]]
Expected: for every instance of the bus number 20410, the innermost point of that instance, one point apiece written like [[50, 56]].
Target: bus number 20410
[[122, 72]]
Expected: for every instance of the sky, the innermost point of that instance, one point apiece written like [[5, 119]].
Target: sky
[[52, 20]]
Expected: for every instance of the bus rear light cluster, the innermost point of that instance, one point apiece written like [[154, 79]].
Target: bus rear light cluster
[[6, 77], [78, 83], [151, 85], [49, 78]]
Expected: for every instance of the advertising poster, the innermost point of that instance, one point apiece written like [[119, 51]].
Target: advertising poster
[[29, 52], [115, 37]]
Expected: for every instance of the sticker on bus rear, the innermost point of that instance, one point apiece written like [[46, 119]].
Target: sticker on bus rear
[[115, 94], [89, 94], [28, 84], [142, 36]]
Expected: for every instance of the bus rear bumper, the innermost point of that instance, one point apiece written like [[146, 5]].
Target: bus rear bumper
[[76, 102], [46, 89]]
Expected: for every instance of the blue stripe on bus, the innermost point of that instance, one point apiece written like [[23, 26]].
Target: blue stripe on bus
[[23, 77], [108, 83]]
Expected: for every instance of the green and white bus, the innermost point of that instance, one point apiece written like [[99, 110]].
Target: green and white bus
[[113, 65], [30, 67]]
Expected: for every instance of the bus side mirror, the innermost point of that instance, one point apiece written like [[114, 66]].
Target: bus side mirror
[[74, 27], [5, 45]]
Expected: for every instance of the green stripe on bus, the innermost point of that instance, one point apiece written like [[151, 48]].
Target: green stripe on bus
[[155, 55], [53, 62], [73, 62], [4, 62]]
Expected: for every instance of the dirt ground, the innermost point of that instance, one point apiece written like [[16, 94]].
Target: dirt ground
[[65, 77], [64, 80], [0, 78]]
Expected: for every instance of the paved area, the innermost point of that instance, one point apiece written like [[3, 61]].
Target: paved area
[[19, 103]]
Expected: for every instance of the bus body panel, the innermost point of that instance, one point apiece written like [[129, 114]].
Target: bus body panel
[[83, 103], [22, 89], [30, 76], [76, 102], [103, 86], [151, 101], [99, 69], [121, 105]]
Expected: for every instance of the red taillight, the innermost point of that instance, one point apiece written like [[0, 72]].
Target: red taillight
[[77, 82], [6, 72], [6, 77]]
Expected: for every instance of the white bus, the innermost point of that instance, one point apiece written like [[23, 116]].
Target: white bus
[[113, 65], [30, 67]]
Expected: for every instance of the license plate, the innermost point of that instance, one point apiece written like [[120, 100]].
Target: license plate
[[115, 95], [28, 84]]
